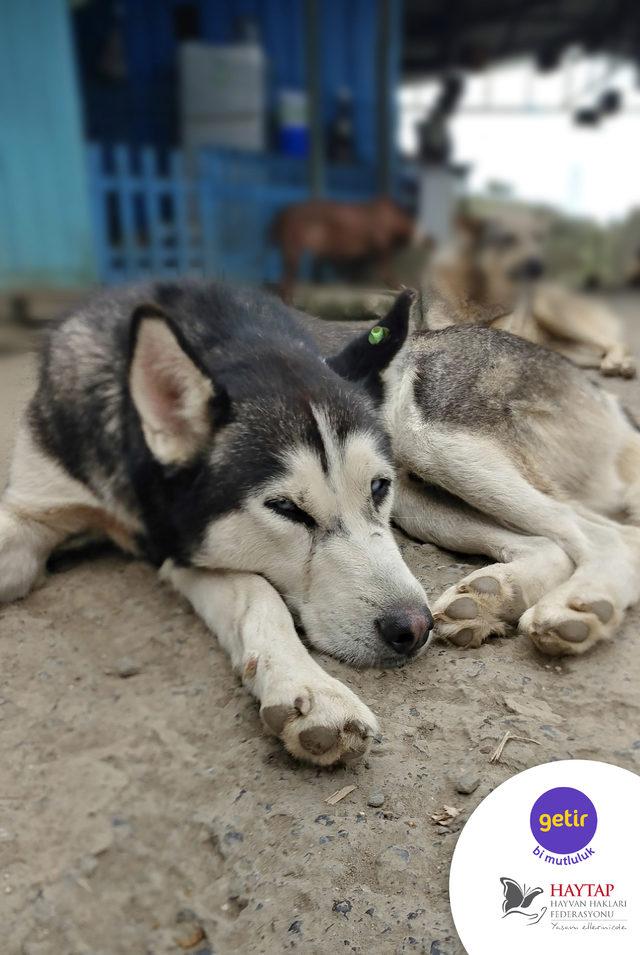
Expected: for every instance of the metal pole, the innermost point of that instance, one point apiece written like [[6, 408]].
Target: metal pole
[[316, 131], [387, 75]]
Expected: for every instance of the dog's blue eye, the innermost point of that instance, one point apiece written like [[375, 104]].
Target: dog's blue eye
[[379, 490], [285, 507]]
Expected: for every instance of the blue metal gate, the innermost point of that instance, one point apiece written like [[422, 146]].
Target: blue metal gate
[[154, 217]]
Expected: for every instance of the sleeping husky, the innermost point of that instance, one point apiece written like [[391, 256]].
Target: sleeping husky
[[198, 426]]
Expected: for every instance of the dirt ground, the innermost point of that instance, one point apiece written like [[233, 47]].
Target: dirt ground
[[150, 814]]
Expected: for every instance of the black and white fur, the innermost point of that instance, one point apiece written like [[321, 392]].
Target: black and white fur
[[197, 425], [203, 430]]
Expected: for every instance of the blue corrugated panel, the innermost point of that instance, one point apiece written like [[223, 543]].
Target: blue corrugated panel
[[142, 108], [46, 236]]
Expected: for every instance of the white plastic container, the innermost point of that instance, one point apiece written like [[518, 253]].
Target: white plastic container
[[222, 96]]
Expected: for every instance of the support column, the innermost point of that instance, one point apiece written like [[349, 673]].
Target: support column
[[314, 95], [388, 67]]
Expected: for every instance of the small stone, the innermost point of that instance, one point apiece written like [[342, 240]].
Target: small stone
[[126, 667], [189, 936], [296, 927], [343, 907], [375, 799], [232, 836], [467, 782], [186, 915]]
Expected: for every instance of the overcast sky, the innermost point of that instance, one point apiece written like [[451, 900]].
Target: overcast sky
[[545, 157]]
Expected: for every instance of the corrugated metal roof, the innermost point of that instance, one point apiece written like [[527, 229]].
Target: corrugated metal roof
[[471, 34]]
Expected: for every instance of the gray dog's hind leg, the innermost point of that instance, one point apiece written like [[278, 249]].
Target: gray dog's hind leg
[[591, 604], [629, 470], [489, 600]]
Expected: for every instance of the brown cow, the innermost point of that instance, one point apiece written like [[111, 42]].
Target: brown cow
[[340, 232]]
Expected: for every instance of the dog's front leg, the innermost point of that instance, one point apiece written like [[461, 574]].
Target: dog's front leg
[[317, 718]]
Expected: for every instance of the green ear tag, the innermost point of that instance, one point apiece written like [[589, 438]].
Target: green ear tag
[[377, 334]]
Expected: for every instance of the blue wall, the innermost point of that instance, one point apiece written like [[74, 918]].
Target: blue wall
[[45, 227], [142, 109]]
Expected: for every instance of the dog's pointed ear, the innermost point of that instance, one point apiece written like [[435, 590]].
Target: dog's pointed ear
[[370, 353], [172, 394]]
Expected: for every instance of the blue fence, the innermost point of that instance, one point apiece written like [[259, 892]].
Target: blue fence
[[155, 217], [146, 218]]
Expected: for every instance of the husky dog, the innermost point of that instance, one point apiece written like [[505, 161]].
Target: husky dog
[[505, 449], [492, 273], [204, 431]]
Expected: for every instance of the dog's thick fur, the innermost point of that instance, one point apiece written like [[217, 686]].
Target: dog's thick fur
[[491, 274], [204, 431]]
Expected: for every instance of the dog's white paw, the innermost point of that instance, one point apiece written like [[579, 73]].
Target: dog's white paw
[[483, 604], [558, 628], [322, 723], [623, 366]]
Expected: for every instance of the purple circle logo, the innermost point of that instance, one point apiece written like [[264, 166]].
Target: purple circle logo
[[563, 820]]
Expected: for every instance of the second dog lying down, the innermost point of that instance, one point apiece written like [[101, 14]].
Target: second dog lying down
[[203, 431], [491, 273]]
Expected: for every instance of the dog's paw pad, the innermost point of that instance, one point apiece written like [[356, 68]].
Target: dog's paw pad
[[324, 725], [464, 608], [571, 628], [575, 631], [603, 609], [462, 638], [480, 606], [485, 585], [319, 739], [277, 716]]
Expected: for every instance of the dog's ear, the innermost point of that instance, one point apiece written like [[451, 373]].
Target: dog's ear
[[370, 353], [172, 395]]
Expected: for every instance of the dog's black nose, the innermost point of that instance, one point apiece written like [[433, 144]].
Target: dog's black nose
[[532, 268], [405, 628]]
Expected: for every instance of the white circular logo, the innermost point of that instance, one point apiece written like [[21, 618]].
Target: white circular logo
[[550, 862]]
